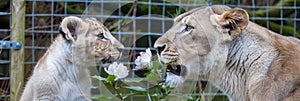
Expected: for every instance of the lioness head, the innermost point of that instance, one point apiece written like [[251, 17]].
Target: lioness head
[[197, 42], [90, 40]]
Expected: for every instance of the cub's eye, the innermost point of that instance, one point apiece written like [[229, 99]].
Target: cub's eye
[[101, 36], [188, 28]]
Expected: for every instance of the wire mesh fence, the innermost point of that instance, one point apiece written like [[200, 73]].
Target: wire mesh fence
[[136, 23]]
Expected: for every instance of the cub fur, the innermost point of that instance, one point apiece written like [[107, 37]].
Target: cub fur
[[62, 73], [244, 60]]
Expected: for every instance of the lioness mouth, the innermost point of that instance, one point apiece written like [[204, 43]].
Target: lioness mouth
[[176, 69]]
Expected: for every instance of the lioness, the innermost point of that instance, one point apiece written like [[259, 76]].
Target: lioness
[[244, 60], [62, 73]]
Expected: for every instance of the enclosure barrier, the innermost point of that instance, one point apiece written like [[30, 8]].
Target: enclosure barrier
[[136, 23]]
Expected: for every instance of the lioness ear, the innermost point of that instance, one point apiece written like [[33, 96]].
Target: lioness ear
[[69, 28], [234, 20]]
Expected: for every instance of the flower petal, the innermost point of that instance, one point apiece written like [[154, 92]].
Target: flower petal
[[137, 68], [123, 74], [108, 72], [148, 52], [121, 71], [143, 60], [138, 60]]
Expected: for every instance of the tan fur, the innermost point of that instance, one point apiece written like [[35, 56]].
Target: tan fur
[[246, 61], [62, 73]]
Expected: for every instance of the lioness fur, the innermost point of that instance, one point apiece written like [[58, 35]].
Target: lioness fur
[[244, 60], [62, 73]]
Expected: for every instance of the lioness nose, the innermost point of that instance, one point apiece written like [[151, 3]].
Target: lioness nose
[[159, 49]]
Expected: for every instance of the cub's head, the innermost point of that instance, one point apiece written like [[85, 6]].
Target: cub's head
[[90, 40], [197, 42]]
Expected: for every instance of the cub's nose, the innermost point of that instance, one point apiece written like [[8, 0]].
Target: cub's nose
[[119, 46], [159, 49], [120, 49]]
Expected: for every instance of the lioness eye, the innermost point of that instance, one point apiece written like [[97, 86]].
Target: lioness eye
[[188, 28], [101, 36]]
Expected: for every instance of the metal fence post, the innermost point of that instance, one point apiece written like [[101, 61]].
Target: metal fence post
[[17, 56]]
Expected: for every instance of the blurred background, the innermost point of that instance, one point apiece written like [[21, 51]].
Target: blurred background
[[136, 23]]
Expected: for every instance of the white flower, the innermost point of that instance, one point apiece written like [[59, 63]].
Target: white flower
[[118, 70], [143, 60]]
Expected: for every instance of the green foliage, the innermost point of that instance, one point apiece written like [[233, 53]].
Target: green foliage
[[135, 88], [100, 78], [102, 98], [110, 78], [173, 15], [121, 89], [154, 73], [132, 80]]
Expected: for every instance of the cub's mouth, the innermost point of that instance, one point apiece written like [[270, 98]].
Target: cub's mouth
[[108, 58], [106, 61]]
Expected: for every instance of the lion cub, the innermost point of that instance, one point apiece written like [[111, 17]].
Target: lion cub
[[62, 73]]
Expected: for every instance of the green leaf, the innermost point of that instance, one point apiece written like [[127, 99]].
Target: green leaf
[[102, 98], [190, 98], [111, 78], [152, 77], [135, 88], [99, 78], [132, 80], [155, 64], [131, 94], [149, 97]]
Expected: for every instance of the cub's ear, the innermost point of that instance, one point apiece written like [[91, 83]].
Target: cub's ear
[[69, 27], [234, 21]]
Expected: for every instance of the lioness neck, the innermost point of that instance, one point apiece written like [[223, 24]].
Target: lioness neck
[[249, 57]]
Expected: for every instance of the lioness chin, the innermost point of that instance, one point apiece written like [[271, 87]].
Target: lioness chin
[[62, 73], [220, 45]]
